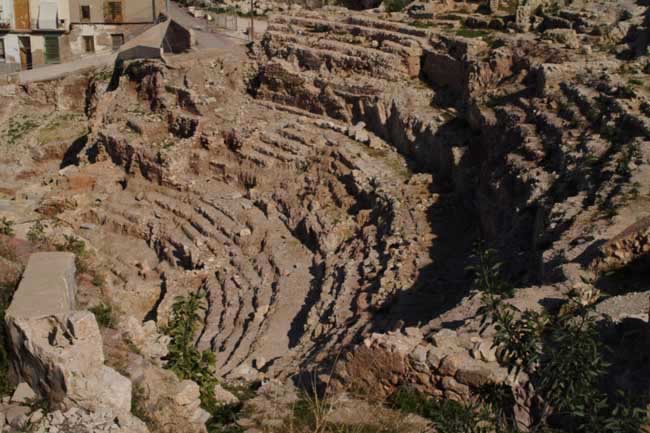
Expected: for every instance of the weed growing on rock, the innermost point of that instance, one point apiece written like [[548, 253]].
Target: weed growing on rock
[[104, 315], [36, 233], [6, 226], [18, 128]]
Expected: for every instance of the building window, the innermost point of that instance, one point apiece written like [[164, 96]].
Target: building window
[[113, 12], [2, 51], [117, 41], [85, 13], [52, 54], [89, 44]]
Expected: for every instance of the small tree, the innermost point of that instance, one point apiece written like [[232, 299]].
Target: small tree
[[184, 358]]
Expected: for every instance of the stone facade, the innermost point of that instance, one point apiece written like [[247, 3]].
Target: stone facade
[[77, 34]]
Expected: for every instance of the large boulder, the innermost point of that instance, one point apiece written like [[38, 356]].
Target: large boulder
[[57, 350]]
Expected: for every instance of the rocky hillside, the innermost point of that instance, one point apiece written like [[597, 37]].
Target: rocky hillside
[[345, 199]]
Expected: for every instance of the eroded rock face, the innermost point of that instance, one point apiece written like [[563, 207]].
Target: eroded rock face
[[58, 350]]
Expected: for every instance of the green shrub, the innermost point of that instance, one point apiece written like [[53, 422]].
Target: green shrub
[[36, 233], [6, 226], [447, 416], [564, 358], [395, 5], [184, 358], [98, 279], [73, 245], [104, 315]]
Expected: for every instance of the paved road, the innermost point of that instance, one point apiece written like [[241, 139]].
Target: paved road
[[204, 39], [56, 71]]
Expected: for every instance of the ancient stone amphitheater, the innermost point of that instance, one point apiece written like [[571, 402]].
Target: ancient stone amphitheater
[[326, 186]]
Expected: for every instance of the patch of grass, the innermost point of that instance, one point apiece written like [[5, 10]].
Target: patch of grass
[[62, 128], [18, 127], [395, 5], [138, 405], [472, 33], [448, 416], [104, 315], [105, 74], [421, 24]]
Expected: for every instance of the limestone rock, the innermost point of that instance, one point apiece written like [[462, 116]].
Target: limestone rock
[[23, 394], [58, 351], [224, 396], [568, 37], [146, 338], [187, 392], [17, 416]]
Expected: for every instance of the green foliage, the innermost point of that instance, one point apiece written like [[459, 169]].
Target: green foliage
[[488, 277], [518, 337], [574, 364], [395, 5], [472, 33], [18, 128], [104, 315], [98, 279], [184, 358], [76, 246], [563, 356], [224, 418], [36, 233], [73, 245], [448, 416], [7, 290], [138, 404], [6, 226]]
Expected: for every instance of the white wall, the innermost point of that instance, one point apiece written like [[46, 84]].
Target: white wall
[[63, 10], [7, 13], [12, 49]]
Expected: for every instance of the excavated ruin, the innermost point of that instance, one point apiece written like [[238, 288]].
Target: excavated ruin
[[327, 187]]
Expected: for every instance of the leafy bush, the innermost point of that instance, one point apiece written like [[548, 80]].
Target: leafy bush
[[563, 356], [104, 315], [184, 358], [447, 416], [36, 233], [561, 353], [73, 245], [395, 5], [6, 226]]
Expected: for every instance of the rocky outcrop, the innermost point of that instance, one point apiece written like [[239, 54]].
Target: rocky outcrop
[[56, 349]]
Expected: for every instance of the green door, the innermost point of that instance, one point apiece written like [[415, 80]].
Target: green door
[[52, 54]]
